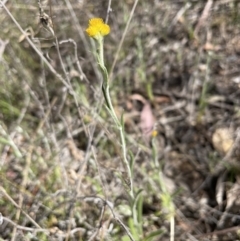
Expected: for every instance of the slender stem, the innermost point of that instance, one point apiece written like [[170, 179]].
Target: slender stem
[[122, 136], [101, 58], [112, 112], [172, 231]]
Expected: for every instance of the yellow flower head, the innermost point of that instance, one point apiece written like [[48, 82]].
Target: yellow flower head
[[154, 133], [97, 28]]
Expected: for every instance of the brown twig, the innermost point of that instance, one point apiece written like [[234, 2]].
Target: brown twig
[[203, 17]]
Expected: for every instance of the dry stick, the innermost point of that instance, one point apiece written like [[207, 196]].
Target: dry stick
[[47, 23], [40, 230], [36, 230], [219, 232], [35, 48], [50, 106], [203, 17], [94, 235], [82, 37], [109, 9], [53, 136], [42, 122], [178, 16], [122, 39], [76, 6], [17, 206], [24, 182], [72, 92], [99, 172], [107, 203], [43, 82], [68, 85], [3, 2], [82, 75], [81, 171]]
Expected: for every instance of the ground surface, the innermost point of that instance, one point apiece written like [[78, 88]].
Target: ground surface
[[60, 157]]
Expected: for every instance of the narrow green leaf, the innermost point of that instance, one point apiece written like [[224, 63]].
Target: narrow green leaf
[[154, 234], [131, 160]]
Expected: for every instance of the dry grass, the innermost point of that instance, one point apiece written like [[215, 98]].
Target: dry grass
[[60, 170]]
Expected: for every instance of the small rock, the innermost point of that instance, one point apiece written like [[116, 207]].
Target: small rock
[[222, 140]]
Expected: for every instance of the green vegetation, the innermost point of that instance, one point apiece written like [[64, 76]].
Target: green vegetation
[[132, 138]]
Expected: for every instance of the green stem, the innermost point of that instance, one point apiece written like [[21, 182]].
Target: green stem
[[101, 58], [112, 112]]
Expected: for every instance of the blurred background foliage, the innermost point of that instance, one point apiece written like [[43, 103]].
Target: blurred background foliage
[[57, 144]]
